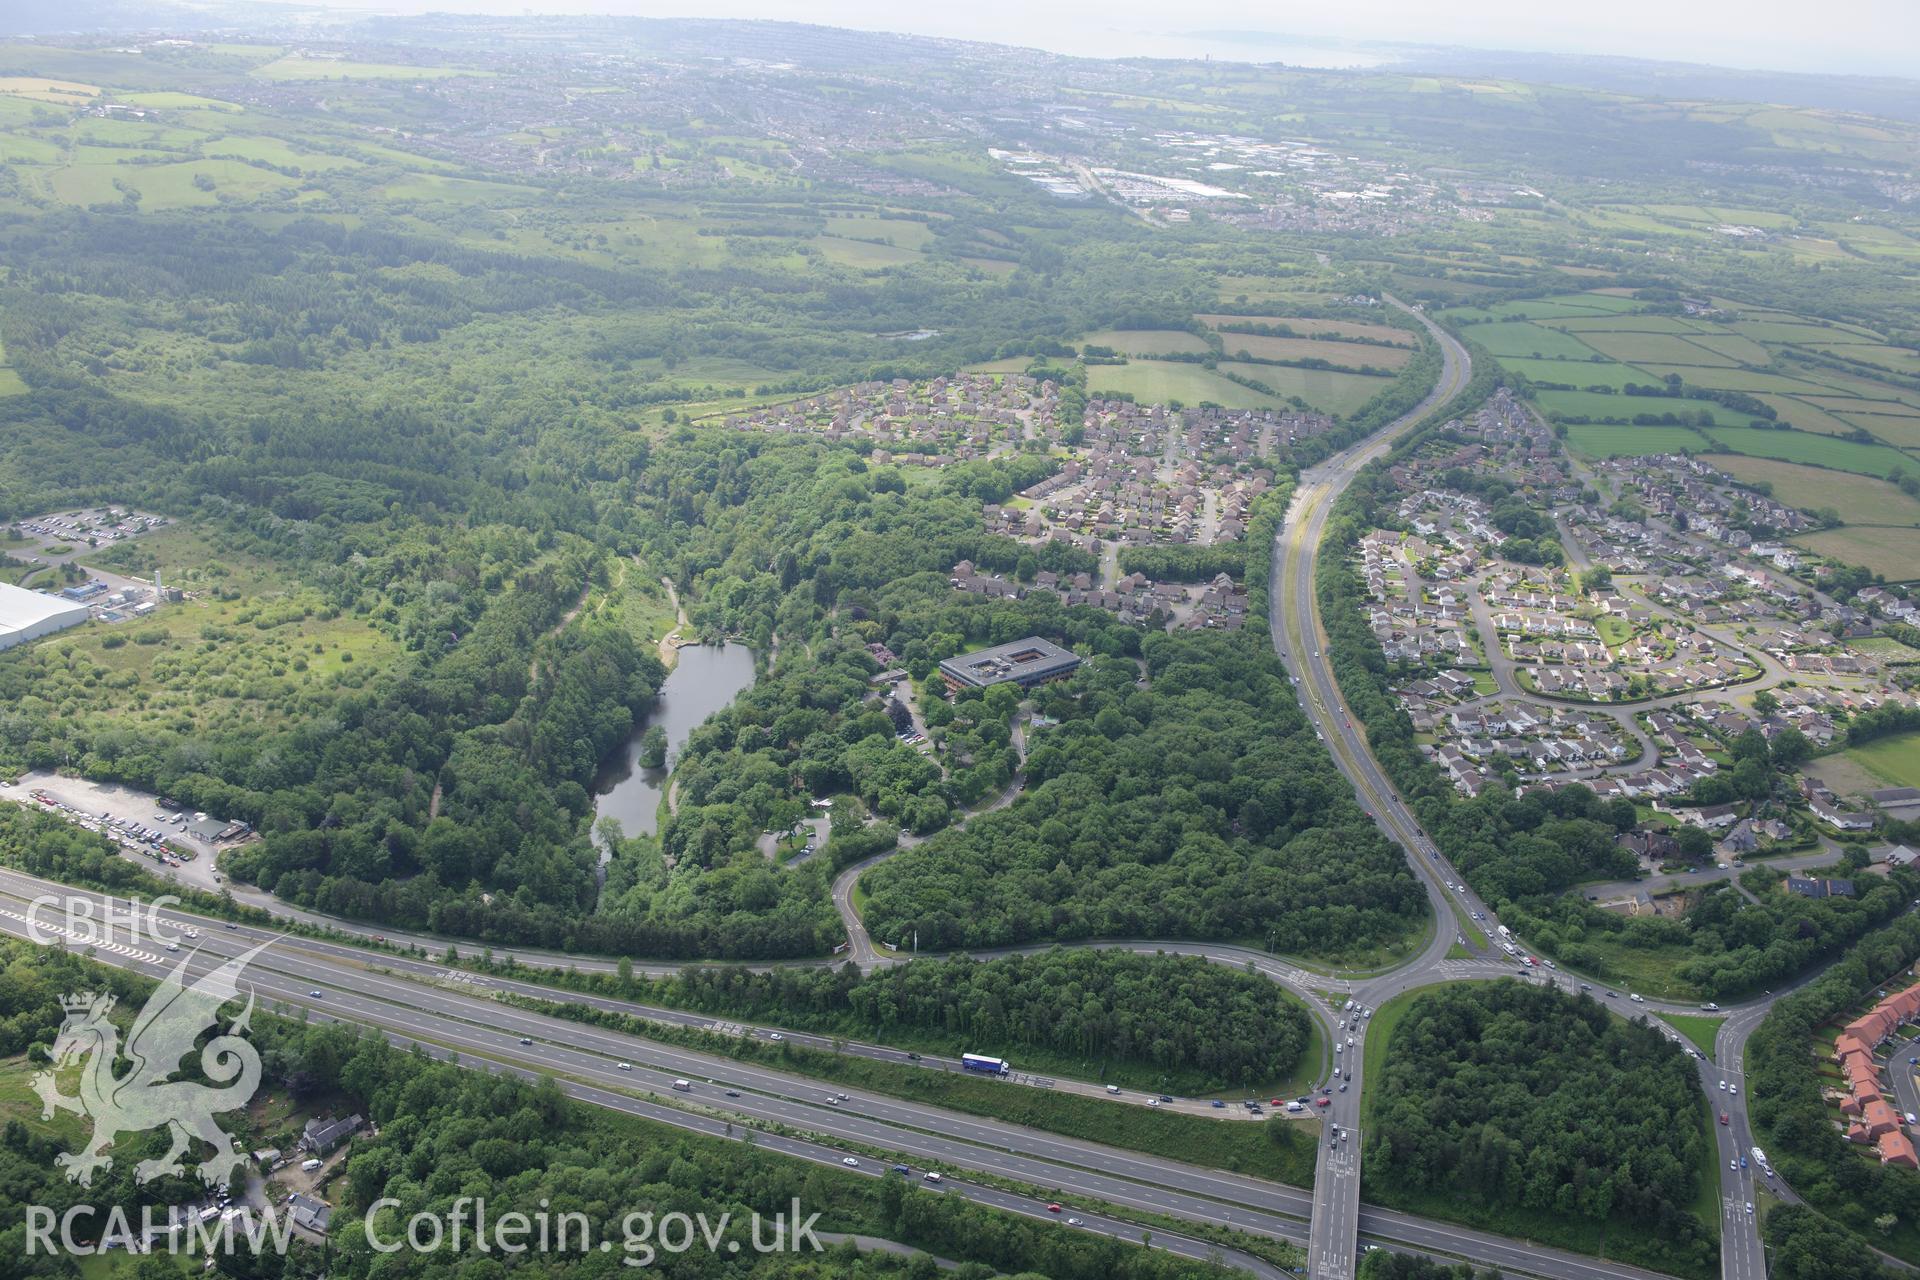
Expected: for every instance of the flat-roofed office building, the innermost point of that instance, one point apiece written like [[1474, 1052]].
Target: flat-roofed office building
[[1026, 663]]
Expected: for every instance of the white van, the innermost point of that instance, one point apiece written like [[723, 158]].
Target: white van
[[1113, 1089], [683, 1086], [308, 1166]]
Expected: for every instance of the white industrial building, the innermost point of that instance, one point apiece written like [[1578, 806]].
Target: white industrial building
[[28, 615]]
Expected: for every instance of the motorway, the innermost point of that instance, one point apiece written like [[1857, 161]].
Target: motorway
[[1301, 643], [449, 1011]]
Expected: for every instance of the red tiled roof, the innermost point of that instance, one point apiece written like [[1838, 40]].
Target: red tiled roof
[[1879, 1118], [1897, 1148]]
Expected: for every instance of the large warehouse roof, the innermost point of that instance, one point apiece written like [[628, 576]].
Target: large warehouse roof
[[33, 613]]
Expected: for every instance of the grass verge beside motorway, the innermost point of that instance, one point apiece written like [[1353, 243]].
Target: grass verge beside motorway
[[1277, 1149]]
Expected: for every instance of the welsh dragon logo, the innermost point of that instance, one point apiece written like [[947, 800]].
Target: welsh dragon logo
[[146, 1096]]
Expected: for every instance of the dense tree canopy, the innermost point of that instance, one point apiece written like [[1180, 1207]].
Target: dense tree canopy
[[1506, 1096]]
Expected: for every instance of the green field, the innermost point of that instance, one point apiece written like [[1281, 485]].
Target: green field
[[1327, 390], [1721, 378], [1351, 355], [275, 152], [1891, 551], [1579, 373], [1895, 760], [1598, 405], [165, 186], [1813, 488], [1518, 338], [1657, 348], [1900, 430], [1824, 451], [863, 255], [1623, 442], [1158, 381], [1796, 411], [1310, 327], [1147, 342]]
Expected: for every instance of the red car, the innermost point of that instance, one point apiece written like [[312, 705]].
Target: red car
[[1323, 1102], [1053, 1208], [1723, 1117], [1278, 1102]]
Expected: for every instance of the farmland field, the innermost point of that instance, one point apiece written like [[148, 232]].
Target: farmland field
[[1856, 497], [1796, 411], [1733, 379], [47, 89], [1519, 338], [1351, 355], [1323, 389], [1824, 451], [1895, 761], [1147, 342], [1621, 442], [274, 152], [1600, 406], [1159, 380], [1308, 327], [1580, 373], [1661, 348], [165, 186], [1626, 324], [1888, 550]]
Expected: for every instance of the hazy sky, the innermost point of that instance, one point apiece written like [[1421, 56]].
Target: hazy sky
[[1878, 37]]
